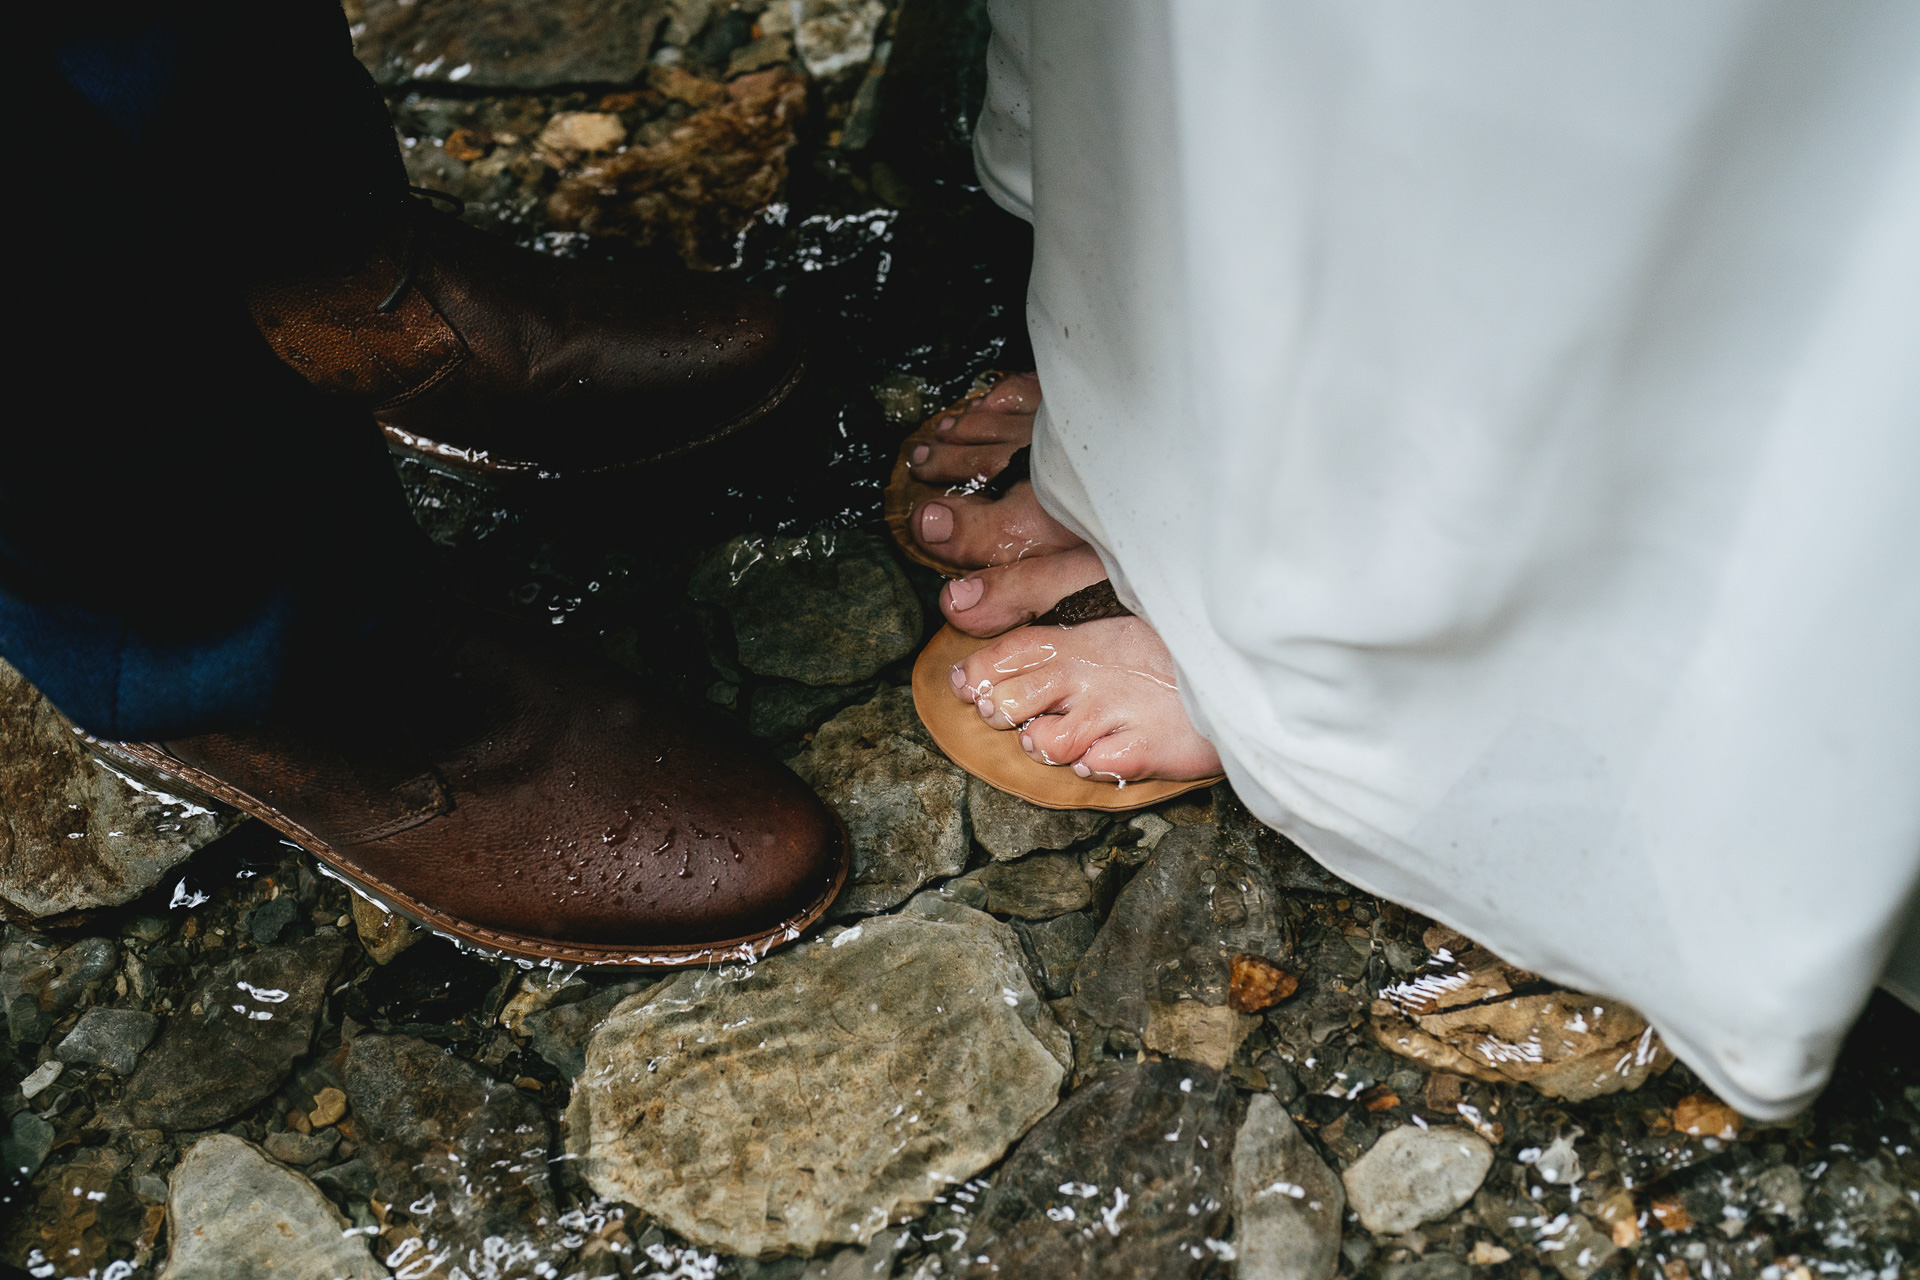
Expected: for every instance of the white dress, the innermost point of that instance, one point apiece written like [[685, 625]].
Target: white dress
[[1509, 415]]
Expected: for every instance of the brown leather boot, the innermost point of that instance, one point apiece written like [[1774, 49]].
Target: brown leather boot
[[488, 357], [534, 801]]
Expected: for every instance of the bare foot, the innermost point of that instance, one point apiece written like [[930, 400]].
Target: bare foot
[[956, 523], [1099, 698], [990, 601]]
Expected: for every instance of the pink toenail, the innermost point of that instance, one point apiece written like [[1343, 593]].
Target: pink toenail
[[965, 593], [1082, 770], [958, 679], [1026, 742], [985, 708], [921, 453], [945, 428], [936, 523]]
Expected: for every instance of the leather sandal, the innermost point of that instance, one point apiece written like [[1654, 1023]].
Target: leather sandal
[[904, 493], [533, 802], [994, 755], [487, 358]]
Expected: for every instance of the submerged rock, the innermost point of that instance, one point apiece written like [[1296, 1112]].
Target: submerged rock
[[831, 608], [464, 1155], [1414, 1175], [237, 1038], [233, 1214], [73, 834], [824, 1094], [1287, 1205], [1008, 827], [110, 1038], [904, 802], [1036, 888], [1462, 1014], [1162, 965], [1126, 1179], [501, 44], [559, 1033]]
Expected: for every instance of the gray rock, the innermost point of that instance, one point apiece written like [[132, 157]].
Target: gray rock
[[824, 1094], [233, 1214], [501, 44], [1056, 947], [1036, 888], [302, 1149], [74, 835], [904, 802], [469, 1154], [28, 1143], [1161, 963], [1578, 1249], [110, 1038], [1287, 1204], [559, 1033], [1285, 861], [61, 983], [1008, 827], [1415, 1175], [1125, 1180], [266, 922], [783, 709], [830, 608], [352, 1179], [256, 1014]]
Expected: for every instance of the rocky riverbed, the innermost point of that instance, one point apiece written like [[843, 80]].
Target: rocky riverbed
[[1027, 1043]]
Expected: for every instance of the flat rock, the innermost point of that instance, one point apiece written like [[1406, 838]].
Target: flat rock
[[502, 44], [73, 834], [559, 1033], [256, 1014], [1162, 964], [1036, 888], [904, 802], [465, 1155], [233, 1214], [1468, 1012], [824, 1094], [1127, 1179], [110, 1038], [1008, 827], [1414, 1175], [1056, 947], [1287, 1204], [830, 608], [302, 1149]]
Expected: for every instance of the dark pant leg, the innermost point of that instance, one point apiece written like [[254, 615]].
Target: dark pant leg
[[188, 523]]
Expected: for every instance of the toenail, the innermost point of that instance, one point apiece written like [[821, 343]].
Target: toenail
[[921, 453], [1026, 742], [958, 679], [1082, 769], [936, 523], [985, 708], [965, 593], [945, 428]]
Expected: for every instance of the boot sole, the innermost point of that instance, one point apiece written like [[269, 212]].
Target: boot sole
[[153, 767]]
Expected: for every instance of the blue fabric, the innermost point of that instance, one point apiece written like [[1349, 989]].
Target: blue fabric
[[128, 77], [116, 683]]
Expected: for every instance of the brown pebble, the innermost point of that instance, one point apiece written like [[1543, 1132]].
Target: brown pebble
[[467, 144], [1670, 1213], [328, 1106], [1255, 983], [1701, 1115]]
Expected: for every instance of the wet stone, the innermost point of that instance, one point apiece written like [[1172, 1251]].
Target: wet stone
[[1056, 947], [1008, 827], [74, 835], [465, 1155], [1577, 1249], [72, 1226], [110, 1038], [904, 802], [831, 35], [56, 982], [560, 1032], [701, 1103], [1036, 888], [28, 1142], [266, 922], [256, 1015], [1287, 1205], [783, 709], [1414, 1175], [236, 1215], [830, 608], [384, 934], [302, 1149], [502, 44], [1161, 967], [1128, 1178]]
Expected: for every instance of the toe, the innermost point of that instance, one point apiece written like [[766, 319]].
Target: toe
[[969, 531], [982, 673], [1014, 700], [1121, 756], [990, 601], [977, 424], [1015, 393], [1063, 739], [935, 463]]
